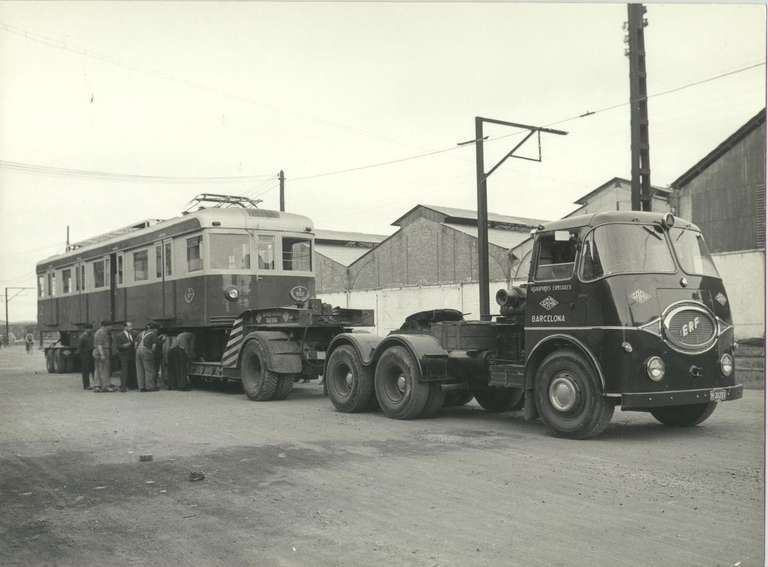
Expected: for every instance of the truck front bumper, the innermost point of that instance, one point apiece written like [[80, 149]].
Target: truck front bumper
[[641, 400]]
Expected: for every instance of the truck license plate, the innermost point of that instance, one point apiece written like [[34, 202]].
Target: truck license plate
[[718, 395]]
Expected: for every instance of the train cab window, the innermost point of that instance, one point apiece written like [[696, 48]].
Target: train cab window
[[297, 254], [99, 274], [168, 259], [194, 256], [557, 254], [66, 281], [230, 251], [140, 266], [265, 252], [40, 285]]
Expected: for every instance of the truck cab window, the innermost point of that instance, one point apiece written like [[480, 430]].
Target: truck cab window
[[557, 255], [265, 252], [297, 254]]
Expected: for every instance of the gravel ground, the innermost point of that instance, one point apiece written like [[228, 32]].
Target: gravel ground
[[295, 483]]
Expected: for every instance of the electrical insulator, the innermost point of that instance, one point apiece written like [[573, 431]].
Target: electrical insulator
[[626, 38], [645, 22], [626, 51]]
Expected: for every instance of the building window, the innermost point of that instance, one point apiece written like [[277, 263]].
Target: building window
[[99, 277], [40, 285], [194, 256], [265, 252], [230, 251], [66, 281], [297, 254], [158, 261], [140, 266], [168, 257], [120, 269]]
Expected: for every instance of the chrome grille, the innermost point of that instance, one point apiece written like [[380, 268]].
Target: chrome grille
[[690, 327]]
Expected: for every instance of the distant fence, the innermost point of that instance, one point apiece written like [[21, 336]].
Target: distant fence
[[743, 273]]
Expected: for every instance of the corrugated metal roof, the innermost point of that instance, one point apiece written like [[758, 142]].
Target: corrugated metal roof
[[504, 238], [344, 255]]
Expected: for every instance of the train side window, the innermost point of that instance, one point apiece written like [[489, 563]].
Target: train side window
[[158, 261], [78, 285], [194, 254], [99, 275], [297, 254], [140, 266], [168, 259], [265, 252], [40, 285], [119, 269], [66, 281], [557, 254], [52, 284]]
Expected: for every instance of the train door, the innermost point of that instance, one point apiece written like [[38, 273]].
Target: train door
[[113, 291], [169, 284]]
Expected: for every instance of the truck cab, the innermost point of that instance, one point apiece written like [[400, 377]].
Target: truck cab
[[619, 309]]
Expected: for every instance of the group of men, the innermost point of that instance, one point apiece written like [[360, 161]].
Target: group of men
[[148, 357]]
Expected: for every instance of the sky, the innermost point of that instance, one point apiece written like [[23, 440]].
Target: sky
[[241, 89]]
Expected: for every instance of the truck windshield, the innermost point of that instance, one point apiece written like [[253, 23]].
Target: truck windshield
[[692, 252], [625, 248]]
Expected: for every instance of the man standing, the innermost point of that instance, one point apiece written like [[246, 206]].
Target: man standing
[[181, 355], [28, 342], [145, 359], [102, 343], [127, 352], [85, 347]]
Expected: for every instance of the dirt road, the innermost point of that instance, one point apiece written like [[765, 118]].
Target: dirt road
[[295, 483]]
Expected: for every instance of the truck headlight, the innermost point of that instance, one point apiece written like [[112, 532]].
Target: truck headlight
[[654, 367], [726, 364], [231, 293]]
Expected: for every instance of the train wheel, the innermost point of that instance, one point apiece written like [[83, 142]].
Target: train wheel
[[569, 396], [435, 401], [455, 398], [259, 383], [58, 362], [684, 416], [284, 387], [498, 399], [349, 384], [398, 385]]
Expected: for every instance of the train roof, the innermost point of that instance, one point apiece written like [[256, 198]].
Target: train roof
[[595, 219], [147, 232]]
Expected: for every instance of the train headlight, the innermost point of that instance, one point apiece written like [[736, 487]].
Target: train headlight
[[655, 369], [726, 364], [231, 293]]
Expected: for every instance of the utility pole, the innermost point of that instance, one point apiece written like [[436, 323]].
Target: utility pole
[[482, 196], [281, 177], [638, 100], [7, 300]]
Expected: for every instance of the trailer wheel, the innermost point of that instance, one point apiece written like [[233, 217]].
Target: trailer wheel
[[399, 389], [435, 401], [497, 400], [49, 361], [569, 396], [58, 362], [455, 398], [259, 383], [284, 387], [684, 416], [349, 384]]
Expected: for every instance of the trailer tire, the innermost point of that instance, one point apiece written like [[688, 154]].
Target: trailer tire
[[456, 398], [49, 361], [349, 384], [259, 383], [684, 416], [435, 401], [284, 387], [498, 400], [569, 396], [398, 385]]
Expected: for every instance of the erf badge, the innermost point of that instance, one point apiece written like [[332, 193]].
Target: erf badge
[[189, 295], [299, 293]]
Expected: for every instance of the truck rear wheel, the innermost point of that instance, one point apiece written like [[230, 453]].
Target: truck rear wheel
[[349, 384], [569, 396], [259, 383], [684, 416], [455, 398], [399, 389], [284, 387], [498, 399]]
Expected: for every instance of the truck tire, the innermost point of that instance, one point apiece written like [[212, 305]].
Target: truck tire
[[455, 398], [684, 416], [284, 387], [497, 400], [435, 401], [398, 385], [49, 361], [570, 398], [349, 384], [58, 362], [259, 383]]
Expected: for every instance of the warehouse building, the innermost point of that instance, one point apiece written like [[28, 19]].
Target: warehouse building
[[616, 195]]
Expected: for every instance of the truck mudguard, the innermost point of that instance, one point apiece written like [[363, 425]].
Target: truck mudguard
[[284, 356], [426, 350], [364, 343]]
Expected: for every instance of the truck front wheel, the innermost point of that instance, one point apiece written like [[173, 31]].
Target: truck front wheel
[[569, 396], [259, 383], [684, 416], [399, 389], [348, 382]]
